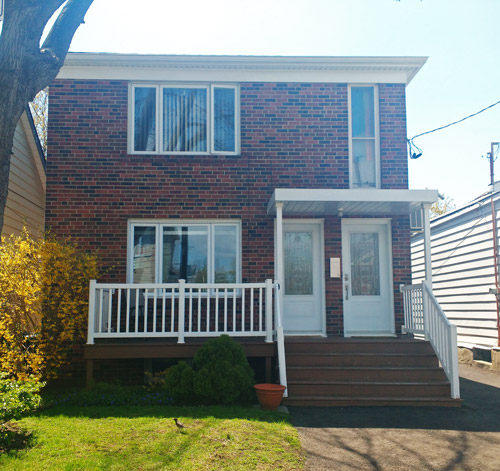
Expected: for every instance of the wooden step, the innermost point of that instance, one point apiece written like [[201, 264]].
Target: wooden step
[[373, 346], [367, 373], [327, 401], [361, 359], [369, 388]]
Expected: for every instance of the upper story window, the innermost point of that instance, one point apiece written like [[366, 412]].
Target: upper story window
[[198, 252], [364, 150], [184, 119]]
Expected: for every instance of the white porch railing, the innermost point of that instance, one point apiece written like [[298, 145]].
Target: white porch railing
[[180, 310], [423, 315]]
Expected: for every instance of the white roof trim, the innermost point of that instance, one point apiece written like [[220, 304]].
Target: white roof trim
[[241, 68], [349, 202]]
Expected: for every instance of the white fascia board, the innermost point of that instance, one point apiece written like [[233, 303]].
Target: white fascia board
[[241, 68], [351, 196]]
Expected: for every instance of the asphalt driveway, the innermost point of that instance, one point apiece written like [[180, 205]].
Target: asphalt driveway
[[407, 438]]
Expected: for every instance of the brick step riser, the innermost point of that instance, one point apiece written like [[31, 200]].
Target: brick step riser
[[372, 349], [370, 390], [307, 374], [360, 361]]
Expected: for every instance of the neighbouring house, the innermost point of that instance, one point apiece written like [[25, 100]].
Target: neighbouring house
[[463, 271], [25, 206], [262, 197]]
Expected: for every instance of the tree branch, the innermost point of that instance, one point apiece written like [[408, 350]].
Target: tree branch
[[30, 16], [63, 30]]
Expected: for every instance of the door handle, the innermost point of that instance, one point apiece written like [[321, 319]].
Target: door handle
[[346, 291]]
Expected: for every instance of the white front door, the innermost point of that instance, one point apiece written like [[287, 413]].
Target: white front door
[[303, 290], [367, 277]]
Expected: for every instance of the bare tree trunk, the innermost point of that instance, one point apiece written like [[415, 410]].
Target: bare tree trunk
[[25, 67]]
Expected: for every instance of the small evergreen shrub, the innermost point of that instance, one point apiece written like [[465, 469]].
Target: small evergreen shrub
[[179, 383], [220, 375]]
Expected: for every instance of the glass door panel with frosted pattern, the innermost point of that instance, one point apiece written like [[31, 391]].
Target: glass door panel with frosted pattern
[[298, 263], [365, 264]]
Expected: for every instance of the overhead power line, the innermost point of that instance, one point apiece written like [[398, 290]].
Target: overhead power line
[[455, 122], [416, 152]]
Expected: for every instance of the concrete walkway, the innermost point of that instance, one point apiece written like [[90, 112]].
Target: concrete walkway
[[404, 438]]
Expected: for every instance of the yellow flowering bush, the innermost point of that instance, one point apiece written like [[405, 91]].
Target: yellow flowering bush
[[43, 303]]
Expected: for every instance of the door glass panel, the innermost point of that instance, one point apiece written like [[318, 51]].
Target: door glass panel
[[185, 254], [365, 267], [298, 263], [144, 254], [225, 253]]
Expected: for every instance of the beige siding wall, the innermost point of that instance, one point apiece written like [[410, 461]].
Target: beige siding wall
[[26, 199]]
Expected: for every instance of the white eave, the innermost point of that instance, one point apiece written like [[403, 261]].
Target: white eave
[[139, 67], [357, 202]]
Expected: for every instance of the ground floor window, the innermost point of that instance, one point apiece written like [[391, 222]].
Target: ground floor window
[[198, 252]]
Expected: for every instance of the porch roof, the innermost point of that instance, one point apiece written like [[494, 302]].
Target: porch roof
[[349, 202]]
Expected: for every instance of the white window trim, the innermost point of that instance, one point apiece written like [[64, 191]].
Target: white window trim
[[161, 223], [377, 135], [159, 118]]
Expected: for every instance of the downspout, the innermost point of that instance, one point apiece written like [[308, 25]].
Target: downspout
[[495, 240]]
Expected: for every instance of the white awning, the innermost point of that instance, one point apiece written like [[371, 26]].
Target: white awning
[[353, 202]]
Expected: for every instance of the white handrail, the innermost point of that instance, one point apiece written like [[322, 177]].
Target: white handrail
[[280, 339], [423, 315]]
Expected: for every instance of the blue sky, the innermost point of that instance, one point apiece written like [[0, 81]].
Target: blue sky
[[461, 38]]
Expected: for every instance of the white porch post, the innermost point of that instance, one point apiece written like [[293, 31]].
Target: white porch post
[[269, 310], [181, 314], [91, 326], [426, 210], [279, 251]]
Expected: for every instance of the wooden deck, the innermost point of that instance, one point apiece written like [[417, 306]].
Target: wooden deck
[[170, 349], [332, 371]]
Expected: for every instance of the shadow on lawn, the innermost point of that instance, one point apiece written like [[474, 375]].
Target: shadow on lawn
[[14, 438], [218, 412], [480, 412]]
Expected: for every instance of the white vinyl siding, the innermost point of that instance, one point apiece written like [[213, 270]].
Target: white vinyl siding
[[192, 119], [463, 272]]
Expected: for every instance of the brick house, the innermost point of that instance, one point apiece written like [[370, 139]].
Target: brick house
[[198, 178]]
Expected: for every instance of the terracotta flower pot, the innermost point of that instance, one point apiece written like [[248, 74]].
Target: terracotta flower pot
[[269, 395]]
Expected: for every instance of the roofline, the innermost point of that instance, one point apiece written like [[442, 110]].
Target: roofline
[[471, 206], [403, 68], [38, 144]]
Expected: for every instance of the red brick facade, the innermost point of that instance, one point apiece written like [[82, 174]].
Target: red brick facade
[[292, 135]]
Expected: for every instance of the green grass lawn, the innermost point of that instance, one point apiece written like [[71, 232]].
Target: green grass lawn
[[133, 438]]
